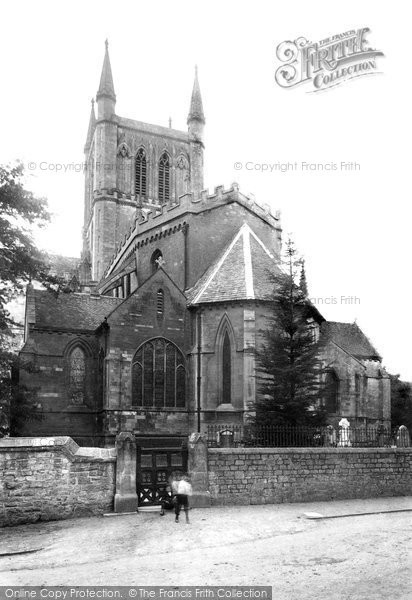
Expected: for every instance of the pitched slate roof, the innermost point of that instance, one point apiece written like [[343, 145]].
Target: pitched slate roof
[[350, 338], [71, 311], [240, 273]]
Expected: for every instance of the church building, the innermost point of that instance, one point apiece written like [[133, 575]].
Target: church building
[[157, 330]]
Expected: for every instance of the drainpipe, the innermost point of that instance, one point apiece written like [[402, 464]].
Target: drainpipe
[[106, 328], [199, 366], [185, 230]]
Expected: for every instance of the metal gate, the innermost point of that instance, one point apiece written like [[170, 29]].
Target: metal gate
[[157, 459]]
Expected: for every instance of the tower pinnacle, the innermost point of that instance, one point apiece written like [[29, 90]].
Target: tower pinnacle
[[92, 125], [106, 87], [196, 105], [106, 98]]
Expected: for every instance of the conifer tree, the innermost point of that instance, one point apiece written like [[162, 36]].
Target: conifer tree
[[288, 364]]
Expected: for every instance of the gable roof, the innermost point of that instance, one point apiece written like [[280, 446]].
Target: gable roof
[[351, 339], [240, 273], [70, 311], [160, 273]]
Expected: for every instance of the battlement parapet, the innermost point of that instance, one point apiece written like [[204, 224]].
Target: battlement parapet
[[146, 218]]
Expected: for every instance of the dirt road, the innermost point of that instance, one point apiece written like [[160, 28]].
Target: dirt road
[[367, 557]]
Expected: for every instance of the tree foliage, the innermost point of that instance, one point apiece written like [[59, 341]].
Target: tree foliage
[[288, 363], [401, 402], [20, 262]]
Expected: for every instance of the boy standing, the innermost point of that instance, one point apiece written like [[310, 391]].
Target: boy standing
[[184, 490]]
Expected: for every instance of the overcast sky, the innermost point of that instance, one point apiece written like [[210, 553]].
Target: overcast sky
[[353, 227]]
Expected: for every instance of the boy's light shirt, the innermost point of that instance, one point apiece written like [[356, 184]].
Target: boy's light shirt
[[184, 488]]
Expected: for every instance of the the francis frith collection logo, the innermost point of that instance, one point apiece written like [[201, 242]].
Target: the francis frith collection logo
[[327, 63]]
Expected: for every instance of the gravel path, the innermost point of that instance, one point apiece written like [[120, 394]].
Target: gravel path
[[364, 557]]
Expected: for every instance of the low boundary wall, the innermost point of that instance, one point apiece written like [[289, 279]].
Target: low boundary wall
[[43, 479], [274, 475]]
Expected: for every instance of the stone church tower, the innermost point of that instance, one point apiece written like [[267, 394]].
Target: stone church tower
[[133, 167], [174, 293]]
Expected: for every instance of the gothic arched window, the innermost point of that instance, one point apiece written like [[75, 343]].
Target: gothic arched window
[[158, 375], [226, 371], [77, 375], [140, 170], [164, 178], [332, 392], [156, 260]]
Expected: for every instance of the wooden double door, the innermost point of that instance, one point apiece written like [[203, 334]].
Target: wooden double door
[[158, 458]]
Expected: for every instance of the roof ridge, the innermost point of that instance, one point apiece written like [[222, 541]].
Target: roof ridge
[[259, 241], [219, 264], [247, 257], [247, 270]]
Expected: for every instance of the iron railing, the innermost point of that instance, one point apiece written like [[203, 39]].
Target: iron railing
[[295, 436]]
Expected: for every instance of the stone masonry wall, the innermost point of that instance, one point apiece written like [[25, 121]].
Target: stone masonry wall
[[274, 475], [43, 479]]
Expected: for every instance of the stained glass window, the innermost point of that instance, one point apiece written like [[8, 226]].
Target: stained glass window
[[159, 375], [77, 375]]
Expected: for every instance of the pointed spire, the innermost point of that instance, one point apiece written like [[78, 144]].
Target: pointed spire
[[196, 106], [92, 125], [106, 87], [302, 282]]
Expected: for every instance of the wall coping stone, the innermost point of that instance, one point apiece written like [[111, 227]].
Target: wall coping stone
[[229, 451], [65, 444]]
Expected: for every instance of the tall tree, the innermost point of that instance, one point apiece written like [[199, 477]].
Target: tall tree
[[288, 363], [20, 262], [401, 402]]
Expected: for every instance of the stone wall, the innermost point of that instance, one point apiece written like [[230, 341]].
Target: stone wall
[[44, 479], [274, 475]]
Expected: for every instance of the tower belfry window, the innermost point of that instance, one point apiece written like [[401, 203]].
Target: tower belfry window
[[164, 178], [141, 173]]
